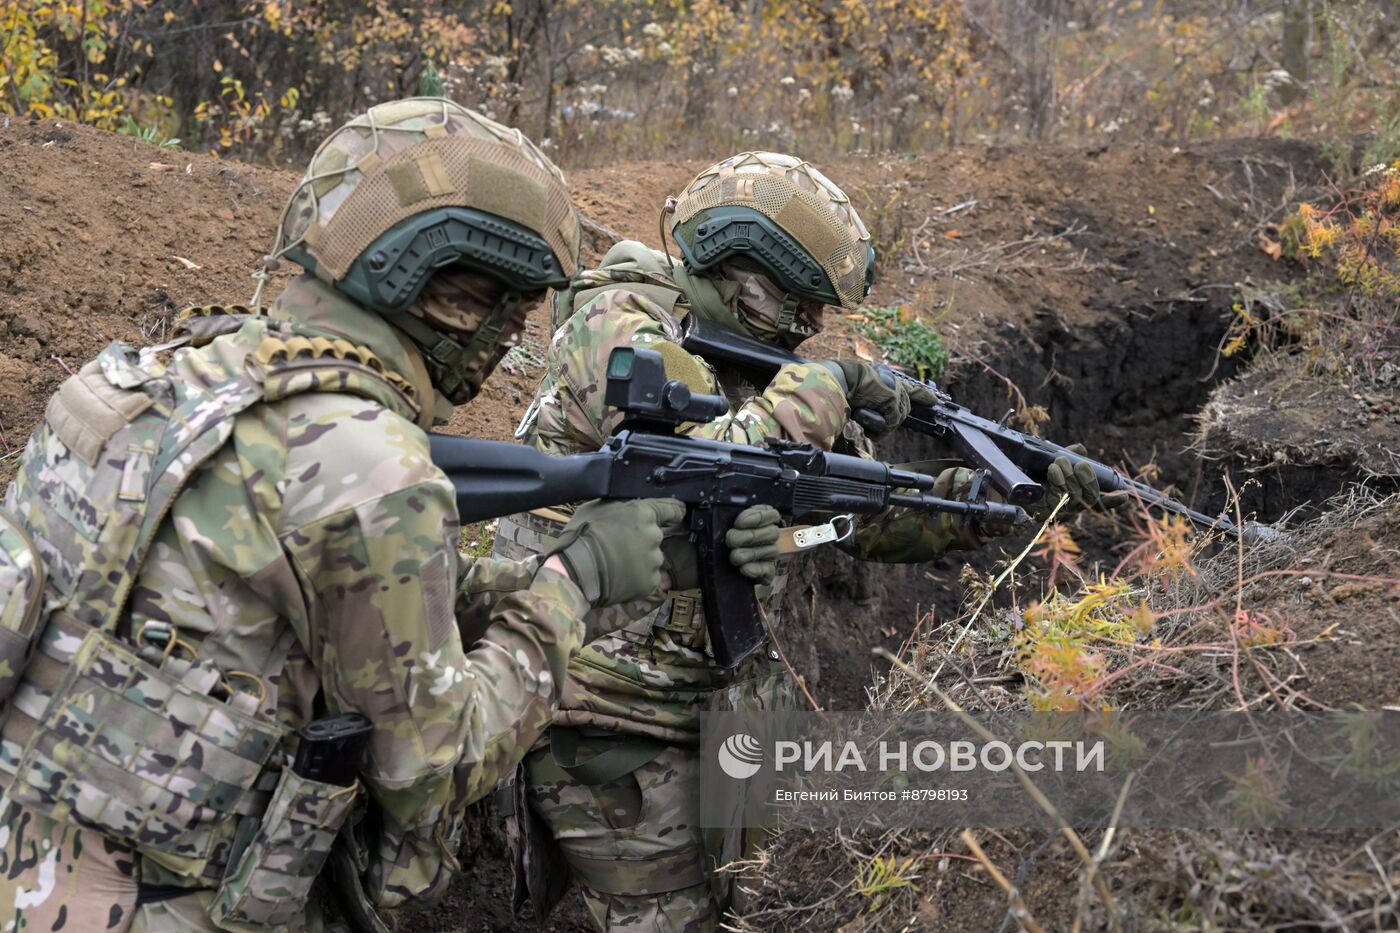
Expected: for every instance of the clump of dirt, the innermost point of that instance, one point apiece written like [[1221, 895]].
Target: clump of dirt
[[1301, 432], [1329, 586], [105, 238], [1161, 881]]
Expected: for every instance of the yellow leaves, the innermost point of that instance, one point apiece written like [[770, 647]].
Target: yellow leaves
[[1244, 325], [1142, 619], [1360, 235], [1257, 629], [1057, 650]]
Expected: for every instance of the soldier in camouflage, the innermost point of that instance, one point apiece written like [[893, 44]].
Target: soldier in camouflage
[[247, 535], [767, 242]]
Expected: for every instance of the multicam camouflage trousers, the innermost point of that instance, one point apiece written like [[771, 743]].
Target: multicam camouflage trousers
[[634, 844], [57, 877]]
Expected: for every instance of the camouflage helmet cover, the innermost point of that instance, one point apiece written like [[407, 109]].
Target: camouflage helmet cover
[[430, 168], [718, 214]]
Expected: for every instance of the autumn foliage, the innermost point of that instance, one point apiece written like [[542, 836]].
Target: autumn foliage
[[647, 78]]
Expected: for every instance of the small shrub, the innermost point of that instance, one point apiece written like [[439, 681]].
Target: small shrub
[[148, 134], [905, 340]]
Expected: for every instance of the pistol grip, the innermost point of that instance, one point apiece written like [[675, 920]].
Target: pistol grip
[[872, 422], [732, 616]]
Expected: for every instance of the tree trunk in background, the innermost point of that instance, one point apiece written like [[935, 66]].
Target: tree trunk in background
[[1296, 23]]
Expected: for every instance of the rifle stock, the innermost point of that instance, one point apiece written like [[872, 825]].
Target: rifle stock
[[493, 478]]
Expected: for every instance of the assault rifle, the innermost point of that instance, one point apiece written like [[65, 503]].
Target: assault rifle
[[645, 459], [1006, 456]]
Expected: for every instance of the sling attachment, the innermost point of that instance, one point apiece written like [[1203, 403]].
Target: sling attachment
[[804, 537]]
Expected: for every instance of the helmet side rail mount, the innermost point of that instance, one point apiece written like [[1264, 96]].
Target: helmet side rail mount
[[720, 233], [390, 274]]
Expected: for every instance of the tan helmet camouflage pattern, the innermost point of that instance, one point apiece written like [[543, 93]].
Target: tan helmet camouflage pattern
[[634, 844], [800, 200], [408, 156], [312, 568]]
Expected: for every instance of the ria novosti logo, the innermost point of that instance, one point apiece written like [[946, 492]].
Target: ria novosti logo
[[741, 756]]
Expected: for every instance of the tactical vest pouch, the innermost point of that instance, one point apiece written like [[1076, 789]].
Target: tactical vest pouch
[[21, 599], [143, 753], [270, 881]]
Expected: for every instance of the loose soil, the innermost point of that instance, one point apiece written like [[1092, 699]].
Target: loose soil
[[1097, 282], [1294, 432]]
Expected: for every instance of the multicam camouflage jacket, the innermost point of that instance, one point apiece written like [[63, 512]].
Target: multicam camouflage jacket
[[654, 676], [310, 566]]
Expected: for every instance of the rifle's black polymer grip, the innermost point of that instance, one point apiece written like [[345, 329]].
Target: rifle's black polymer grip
[[732, 616]]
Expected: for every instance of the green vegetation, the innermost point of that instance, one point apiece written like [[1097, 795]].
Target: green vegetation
[[905, 340], [643, 77], [883, 876], [477, 539], [148, 134]]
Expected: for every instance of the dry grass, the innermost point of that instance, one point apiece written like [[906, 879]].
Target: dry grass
[[1199, 654]]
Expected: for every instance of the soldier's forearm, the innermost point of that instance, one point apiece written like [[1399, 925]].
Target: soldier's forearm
[[803, 403], [517, 671]]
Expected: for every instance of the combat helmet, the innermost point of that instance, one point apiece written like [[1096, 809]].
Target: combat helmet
[[420, 185], [782, 216]]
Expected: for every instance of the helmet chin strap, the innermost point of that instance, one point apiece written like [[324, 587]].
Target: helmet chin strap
[[788, 328], [788, 315]]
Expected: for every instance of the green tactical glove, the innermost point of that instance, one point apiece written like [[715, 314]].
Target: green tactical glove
[[1076, 481], [753, 543], [865, 389], [612, 549]]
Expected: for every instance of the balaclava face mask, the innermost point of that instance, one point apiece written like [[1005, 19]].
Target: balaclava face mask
[[762, 305], [456, 304]]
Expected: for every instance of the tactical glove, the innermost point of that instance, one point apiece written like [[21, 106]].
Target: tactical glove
[[612, 549], [752, 543], [956, 483], [1074, 480], [866, 389]]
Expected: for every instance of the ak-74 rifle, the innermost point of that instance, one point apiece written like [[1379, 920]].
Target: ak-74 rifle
[[1001, 454], [646, 459]]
